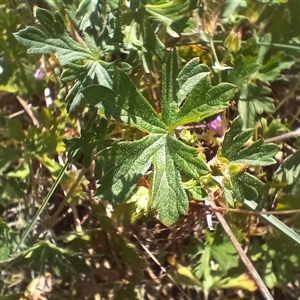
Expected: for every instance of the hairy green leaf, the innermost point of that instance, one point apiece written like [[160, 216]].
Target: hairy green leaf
[[126, 104], [217, 247], [168, 156], [189, 76], [245, 187], [55, 40], [186, 158], [169, 106], [204, 101], [235, 138], [168, 194], [86, 75], [222, 250], [172, 14], [237, 183], [254, 96], [129, 161], [256, 154], [85, 12]]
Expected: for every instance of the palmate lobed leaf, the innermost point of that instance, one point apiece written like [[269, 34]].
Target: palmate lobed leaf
[[245, 187], [83, 64], [196, 99], [242, 71], [55, 40], [256, 154], [240, 185], [235, 138], [218, 248], [129, 161], [85, 75], [222, 250], [250, 69], [85, 15]]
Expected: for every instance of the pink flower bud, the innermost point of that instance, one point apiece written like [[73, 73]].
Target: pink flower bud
[[216, 126], [40, 72]]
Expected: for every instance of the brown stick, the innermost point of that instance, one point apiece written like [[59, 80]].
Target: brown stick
[[28, 110], [262, 287]]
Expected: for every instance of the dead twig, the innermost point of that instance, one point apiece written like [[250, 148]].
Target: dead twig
[[28, 110], [262, 287]]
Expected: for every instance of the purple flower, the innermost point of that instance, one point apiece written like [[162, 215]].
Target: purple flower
[[40, 72], [216, 126]]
